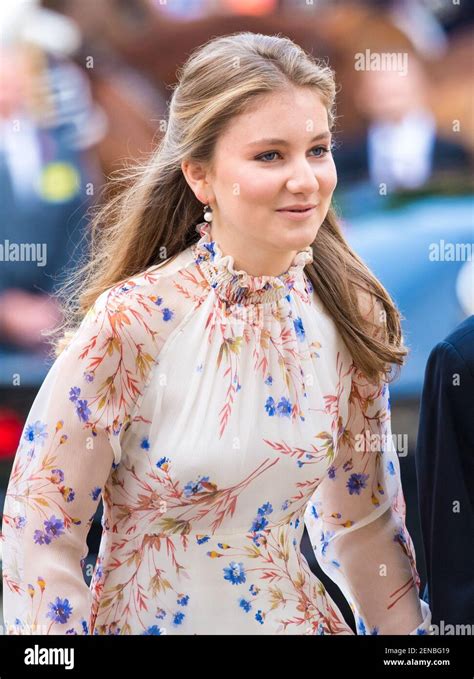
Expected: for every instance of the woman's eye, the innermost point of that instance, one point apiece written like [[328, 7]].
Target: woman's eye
[[269, 153], [324, 150]]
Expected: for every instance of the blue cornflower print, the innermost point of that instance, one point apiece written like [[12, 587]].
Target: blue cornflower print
[[95, 493], [201, 539], [260, 521], [163, 463], [74, 394], [60, 611], [82, 410], [40, 538], [54, 529], [299, 329], [20, 521], [332, 472], [391, 468], [36, 433], [269, 380], [356, 483], [57, 476], [54, 526], [178, 618], [259, 524], [235, 573], [246, 605], [265, 509], [325, 537], [284, 407], [270, 406], [68, 494], [361, 627], [194, 487], [145, 443], [258, 617], [167, 314], [153, 630], [210, 248], [183, 601]]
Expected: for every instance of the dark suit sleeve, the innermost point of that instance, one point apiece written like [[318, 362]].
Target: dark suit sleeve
[[445, 477]]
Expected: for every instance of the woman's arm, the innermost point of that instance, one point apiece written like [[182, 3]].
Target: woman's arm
[[69, 443], [356, 520]]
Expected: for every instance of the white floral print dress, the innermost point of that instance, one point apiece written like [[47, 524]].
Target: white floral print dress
[[216, 413]]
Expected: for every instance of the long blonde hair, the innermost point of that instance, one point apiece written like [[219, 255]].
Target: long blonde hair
[[157, 211]]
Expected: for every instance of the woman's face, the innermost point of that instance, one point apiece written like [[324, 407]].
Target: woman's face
[[252, 179]]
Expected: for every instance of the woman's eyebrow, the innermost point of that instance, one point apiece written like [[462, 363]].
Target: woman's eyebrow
[[283, 142]]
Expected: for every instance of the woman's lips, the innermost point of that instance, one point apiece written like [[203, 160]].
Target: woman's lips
[[298, 215]]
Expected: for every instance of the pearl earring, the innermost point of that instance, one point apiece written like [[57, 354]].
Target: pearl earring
[[208, 213]]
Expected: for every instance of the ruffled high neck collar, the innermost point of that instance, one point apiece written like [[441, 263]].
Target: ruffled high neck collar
[[240, 287]]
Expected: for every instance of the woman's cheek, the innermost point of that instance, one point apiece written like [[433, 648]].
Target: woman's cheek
[[332, 175], [255, 189]]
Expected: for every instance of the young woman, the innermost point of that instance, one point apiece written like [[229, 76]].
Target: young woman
[[224, 389]]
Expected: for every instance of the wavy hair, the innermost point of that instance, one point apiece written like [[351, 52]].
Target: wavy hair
[[153, 217]]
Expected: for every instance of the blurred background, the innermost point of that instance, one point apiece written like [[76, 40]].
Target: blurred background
[[84, 90]]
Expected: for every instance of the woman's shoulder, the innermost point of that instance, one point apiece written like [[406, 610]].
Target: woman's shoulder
[[168, 269], [138, 313], [158, 285]]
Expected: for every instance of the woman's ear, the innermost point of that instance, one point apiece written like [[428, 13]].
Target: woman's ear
[[196, 176]]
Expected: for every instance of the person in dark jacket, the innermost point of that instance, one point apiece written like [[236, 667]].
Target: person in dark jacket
[[445, 477]]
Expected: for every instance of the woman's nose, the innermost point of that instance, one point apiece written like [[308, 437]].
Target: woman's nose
[[303, 179]]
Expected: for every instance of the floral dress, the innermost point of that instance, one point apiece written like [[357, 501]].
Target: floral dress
[[217, 414]]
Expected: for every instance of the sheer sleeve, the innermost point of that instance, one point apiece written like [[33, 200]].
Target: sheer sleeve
[[356, 521], [69, 443]]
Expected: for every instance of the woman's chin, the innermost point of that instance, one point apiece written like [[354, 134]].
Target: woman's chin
[[298, 235]]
